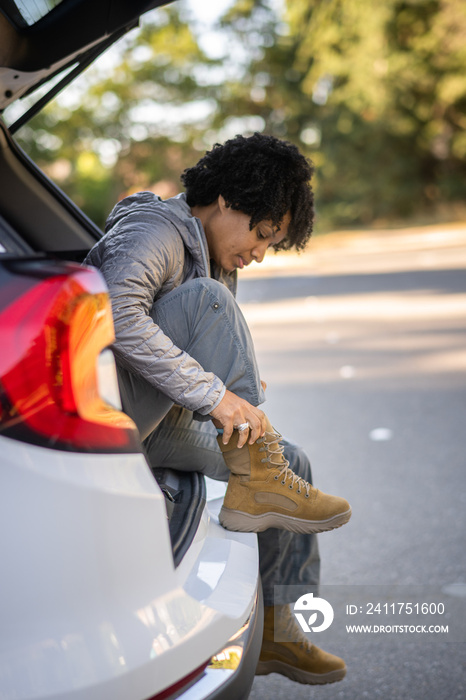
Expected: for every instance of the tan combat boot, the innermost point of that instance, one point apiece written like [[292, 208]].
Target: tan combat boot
[[264, 492], [296, 657]]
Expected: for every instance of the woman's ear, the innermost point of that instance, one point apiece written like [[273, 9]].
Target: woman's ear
[[222, 205]]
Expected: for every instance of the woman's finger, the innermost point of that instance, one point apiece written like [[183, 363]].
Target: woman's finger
[[257, 423], [243, 433]]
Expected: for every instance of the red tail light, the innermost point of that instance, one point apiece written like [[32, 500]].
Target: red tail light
[[51, 334], [174, 690]]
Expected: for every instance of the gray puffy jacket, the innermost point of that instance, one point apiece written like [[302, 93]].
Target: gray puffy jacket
[[149, 248]]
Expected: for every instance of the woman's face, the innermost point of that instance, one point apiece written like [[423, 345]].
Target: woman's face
[[232, 245]]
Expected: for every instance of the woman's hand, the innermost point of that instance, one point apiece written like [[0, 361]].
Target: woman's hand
[[233, 411]]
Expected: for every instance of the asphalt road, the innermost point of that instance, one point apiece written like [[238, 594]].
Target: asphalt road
[[362, 344]]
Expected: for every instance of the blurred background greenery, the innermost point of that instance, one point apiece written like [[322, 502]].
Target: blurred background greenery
[[373, 93]]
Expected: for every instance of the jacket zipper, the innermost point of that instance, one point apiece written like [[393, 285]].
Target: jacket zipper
[[201, 244]]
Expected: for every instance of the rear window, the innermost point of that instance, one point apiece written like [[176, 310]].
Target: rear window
[[28, 12]]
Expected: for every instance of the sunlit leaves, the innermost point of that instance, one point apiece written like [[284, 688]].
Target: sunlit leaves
[[374, 93]]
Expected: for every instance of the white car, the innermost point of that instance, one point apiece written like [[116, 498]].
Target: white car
[[116, 582]]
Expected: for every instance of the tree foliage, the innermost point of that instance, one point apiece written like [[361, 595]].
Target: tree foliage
[[373, 93]]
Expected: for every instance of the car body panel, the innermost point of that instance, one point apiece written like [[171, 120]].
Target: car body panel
[[96, 608]]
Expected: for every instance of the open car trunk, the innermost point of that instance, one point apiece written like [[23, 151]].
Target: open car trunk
[[39, 221], [42, 39]]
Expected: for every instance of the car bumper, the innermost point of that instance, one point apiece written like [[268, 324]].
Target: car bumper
[[230, 673], [92, 605]]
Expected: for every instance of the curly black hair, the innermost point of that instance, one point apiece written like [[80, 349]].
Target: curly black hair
[[260, 175]]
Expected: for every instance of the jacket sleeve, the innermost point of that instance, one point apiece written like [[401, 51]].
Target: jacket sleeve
[[136, 257]]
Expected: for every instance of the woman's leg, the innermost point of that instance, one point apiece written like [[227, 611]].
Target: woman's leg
[[181, 443], [289, 559], [202, 318], [285, 558]]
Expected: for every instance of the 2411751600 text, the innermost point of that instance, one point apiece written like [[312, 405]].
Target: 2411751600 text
[[396, 609]]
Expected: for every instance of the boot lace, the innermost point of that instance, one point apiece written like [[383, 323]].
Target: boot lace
[[273, 448], [293, 631]]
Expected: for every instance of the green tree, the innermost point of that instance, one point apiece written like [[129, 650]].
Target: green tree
[[374, 93]]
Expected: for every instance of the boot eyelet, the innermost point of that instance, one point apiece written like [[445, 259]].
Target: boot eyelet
[[263, 460], [283, 483], [290, 487], [275, 477], [306, 496], [298, 491]]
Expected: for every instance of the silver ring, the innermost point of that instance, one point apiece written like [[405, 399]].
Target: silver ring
[[243, 426]]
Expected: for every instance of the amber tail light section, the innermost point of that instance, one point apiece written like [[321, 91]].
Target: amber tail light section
[[55, 319]]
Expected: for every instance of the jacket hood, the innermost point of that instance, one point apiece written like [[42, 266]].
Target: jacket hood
[[180, 209], [177, 211]]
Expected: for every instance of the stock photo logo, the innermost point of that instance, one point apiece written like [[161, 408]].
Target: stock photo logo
[[312, 606]]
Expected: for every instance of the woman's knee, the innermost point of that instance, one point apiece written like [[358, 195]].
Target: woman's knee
[[214, 290], [195, 298]]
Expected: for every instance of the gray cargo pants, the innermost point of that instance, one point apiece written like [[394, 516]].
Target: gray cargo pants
[[203, 318]]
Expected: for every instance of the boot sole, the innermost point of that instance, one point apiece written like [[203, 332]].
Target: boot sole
[[298, 675], [238, 521]]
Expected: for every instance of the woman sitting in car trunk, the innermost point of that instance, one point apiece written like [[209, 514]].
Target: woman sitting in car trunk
[[187, 369]]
